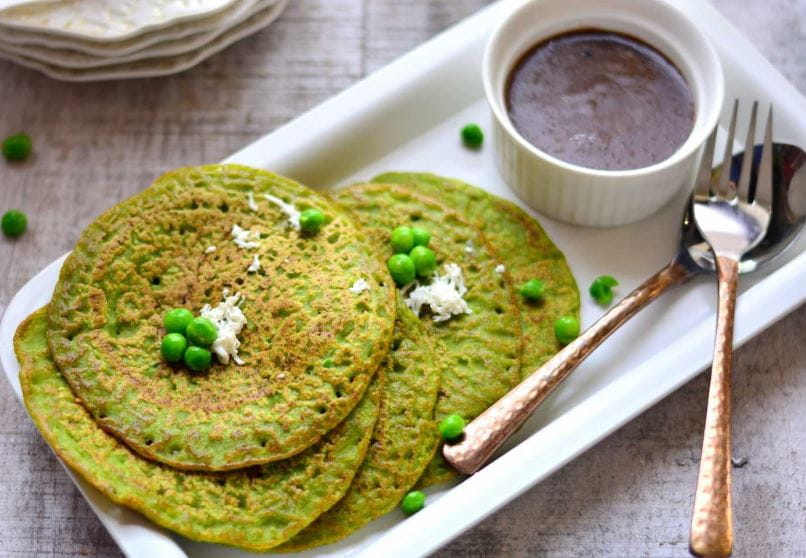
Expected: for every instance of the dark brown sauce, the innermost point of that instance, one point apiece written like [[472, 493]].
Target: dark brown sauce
[[600, 100]]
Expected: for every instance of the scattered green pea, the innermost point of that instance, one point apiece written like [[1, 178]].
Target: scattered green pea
[[602, 289], [173, 347], [566, 329], [177, 320], [413, 502], [402, 240], [14, 223], [197, 358], [311, 220], [201, 332], [472, 136], [608, 280], [421, 236], [532, 290], [402, 269], [451, 427], [425, 262], [17, 147]]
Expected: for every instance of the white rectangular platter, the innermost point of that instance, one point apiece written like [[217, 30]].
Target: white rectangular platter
[[407, 117]]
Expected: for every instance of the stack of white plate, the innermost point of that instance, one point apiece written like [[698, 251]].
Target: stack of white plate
[[89, 40]]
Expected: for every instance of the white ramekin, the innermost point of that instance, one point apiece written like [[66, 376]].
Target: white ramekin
[[577, 194]]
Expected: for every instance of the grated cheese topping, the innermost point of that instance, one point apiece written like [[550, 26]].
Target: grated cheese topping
[[229, 320], [210, 249], [245, 238], [359, 287], [500, 268], [291, 212], [443, 295], [469, 248], [254, 267], [250, 201]]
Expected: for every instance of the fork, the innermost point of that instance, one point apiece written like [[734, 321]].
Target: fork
[[733, 219]]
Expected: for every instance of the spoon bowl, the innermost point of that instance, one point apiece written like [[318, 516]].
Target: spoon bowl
[[787, 167]]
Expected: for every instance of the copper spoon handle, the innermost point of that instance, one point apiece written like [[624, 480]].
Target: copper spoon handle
[[712, 520], [490, 429]]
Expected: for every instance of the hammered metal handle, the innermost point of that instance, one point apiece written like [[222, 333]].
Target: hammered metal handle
[[712, 520], [490, 429]]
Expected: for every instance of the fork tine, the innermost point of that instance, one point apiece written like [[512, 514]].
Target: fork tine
[[743, 187], [723, 187], [763, 192], [702, 185]]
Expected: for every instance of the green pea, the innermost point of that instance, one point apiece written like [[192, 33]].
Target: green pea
[[177, 320], [14, 223], [451, 427], [412, 502], [17, 147], [173, 347], [201, 332], [402, 269], [602, 289], [421, 236], [311, 220], [197, 358], [532, 290], [402, 240], [608, 280], [425, 262], [472, 136], [566, 329]]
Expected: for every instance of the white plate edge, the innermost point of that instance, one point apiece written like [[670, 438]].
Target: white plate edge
[[51, 56], [130, 34], [255, 23], [112, 48]]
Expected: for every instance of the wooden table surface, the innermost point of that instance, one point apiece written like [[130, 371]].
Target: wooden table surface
[[99, 143]]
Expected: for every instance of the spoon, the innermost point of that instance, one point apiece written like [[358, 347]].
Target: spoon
[[488, 431]]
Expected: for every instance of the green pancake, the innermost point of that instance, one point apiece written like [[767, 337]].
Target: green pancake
[[525, 250], [310, 347], [481, 350], [403, 443], [254, 508]]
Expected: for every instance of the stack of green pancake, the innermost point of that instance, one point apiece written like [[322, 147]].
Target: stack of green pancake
[[332, 418]]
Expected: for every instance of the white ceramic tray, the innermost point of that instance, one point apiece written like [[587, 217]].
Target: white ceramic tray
[[407, 117]]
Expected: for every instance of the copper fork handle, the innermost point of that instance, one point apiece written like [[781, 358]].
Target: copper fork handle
[[712, 520], [490, 429]]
